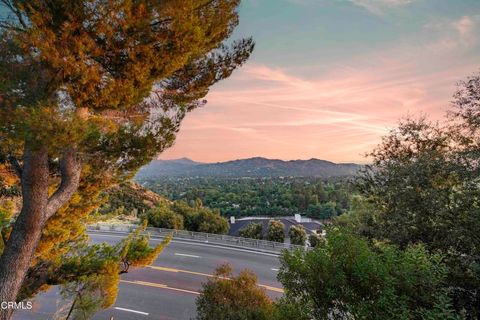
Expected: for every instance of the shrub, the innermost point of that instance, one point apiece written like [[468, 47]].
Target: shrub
[[225, 297], [297, 235], [163, 217], [276, 231], [252, 230]]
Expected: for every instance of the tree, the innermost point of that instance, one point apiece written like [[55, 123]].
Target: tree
[[297, 235], [199, 218], [89, 274], [6, 213], [276, 231], [362, 218], [102, 86], [423, 187], [315, 240], [163, 217], [345, 277], [129, 197], [323, 211], [226, 297], [211, 222], [188, 213], [252, 231], [179, 215], [466, 104]]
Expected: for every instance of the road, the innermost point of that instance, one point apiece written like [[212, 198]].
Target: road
[[168, 288]]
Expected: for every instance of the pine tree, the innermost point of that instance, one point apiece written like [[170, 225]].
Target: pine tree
[[92, 90]]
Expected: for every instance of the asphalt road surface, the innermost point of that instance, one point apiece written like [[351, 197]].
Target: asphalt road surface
[[168, 288]]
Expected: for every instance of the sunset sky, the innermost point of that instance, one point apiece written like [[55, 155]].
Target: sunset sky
[[329, 77]]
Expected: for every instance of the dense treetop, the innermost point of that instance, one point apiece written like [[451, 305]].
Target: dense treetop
[[315, 197]]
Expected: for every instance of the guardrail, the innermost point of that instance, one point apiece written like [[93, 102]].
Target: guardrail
[[261, 245]]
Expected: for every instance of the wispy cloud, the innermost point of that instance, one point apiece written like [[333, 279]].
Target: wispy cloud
[[339, 115], [455, 34], [466, 29], [378, 7], [310, 101]]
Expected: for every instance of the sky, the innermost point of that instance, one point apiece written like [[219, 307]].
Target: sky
[[328, 78]]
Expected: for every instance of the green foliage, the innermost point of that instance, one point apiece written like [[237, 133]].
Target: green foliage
[[163, 217], [89, 274], [362, 218], [189, 214], [136, 251], [129, 198], [276, 231], [228, 297], [344, 277], [199, 218], [108, 82], [211, 222], [424, 187], [324, 211], [297, 235], [286, 309], [88, 296], [90, 279], [6, 214], [443, 309], [179, 215], [260, 196], [315, 240], [252, 231]]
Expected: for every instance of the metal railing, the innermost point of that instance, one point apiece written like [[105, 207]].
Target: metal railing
[[262, 245]]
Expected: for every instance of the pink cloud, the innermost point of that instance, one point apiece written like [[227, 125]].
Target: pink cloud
[[466, 29], [338, 115]]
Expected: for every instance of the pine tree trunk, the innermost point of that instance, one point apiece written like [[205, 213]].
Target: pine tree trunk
[[37, 208], [27, 230]]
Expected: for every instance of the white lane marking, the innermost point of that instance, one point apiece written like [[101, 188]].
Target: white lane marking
[[273, 269], [195, 244], [130, 310], [186, 255]]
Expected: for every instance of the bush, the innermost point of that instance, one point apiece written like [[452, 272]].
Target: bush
[[276, 231], [323, 211], [225, 297], [163, 217], [315, 240], [346, 277], [188, 213], [200, 219], [252, 230], [211, 222], [297, 235]]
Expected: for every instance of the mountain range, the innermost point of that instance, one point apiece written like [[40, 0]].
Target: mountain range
[[251, 167]]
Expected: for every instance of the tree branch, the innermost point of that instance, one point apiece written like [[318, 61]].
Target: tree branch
[[16, 165], [70, 169], [16, 12], [166, 20], [159, 22], [9, 26]]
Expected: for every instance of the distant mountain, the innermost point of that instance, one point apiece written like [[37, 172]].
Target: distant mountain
[[252, 167]]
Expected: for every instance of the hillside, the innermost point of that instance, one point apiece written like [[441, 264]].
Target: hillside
[[130, 196], [252, 167]]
